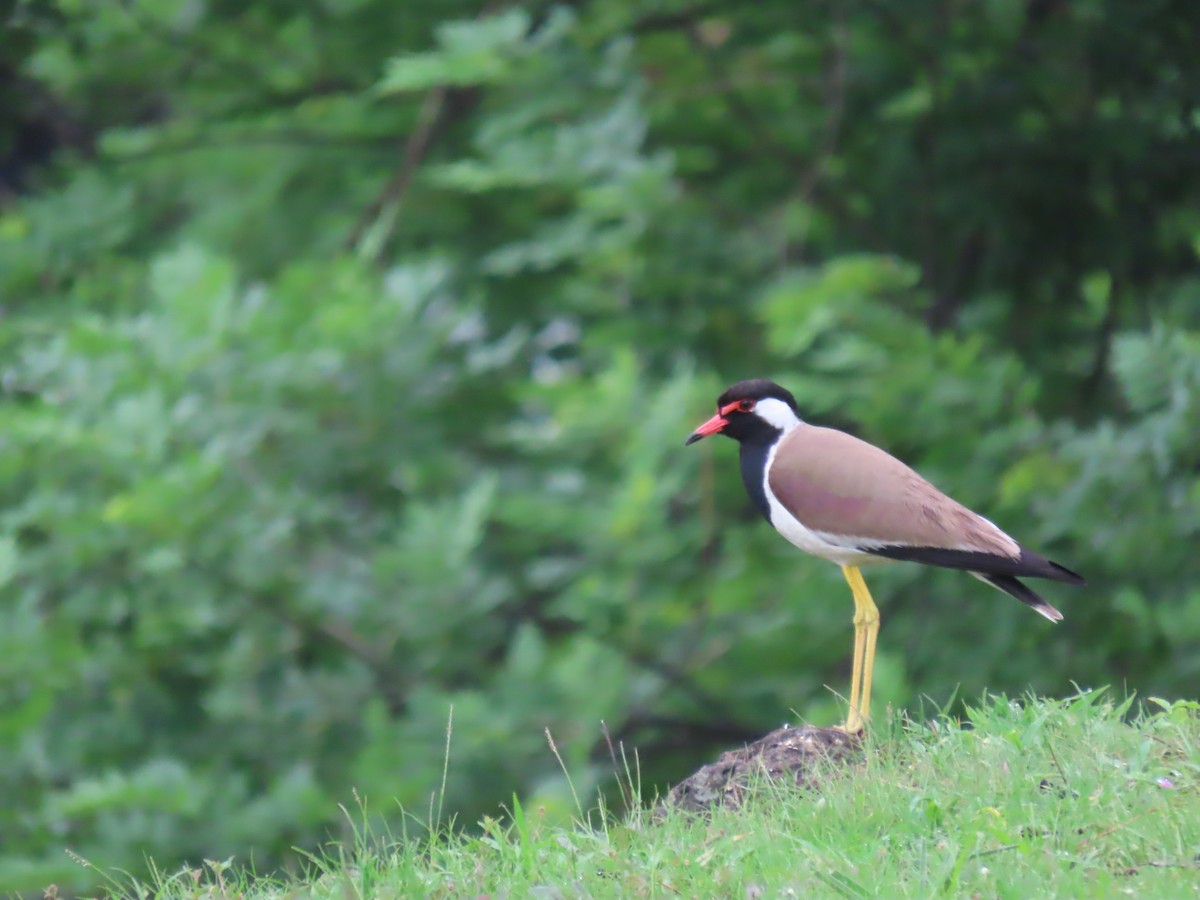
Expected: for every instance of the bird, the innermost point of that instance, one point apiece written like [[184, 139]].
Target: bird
[[845, 500]]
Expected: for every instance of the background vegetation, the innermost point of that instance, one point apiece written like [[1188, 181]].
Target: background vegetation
[[347, 348]]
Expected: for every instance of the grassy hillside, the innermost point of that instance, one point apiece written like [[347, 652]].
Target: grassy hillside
[[1074, 798]]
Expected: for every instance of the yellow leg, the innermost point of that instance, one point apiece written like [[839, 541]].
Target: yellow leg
[[866, 630], [853, 719], [872, 629]]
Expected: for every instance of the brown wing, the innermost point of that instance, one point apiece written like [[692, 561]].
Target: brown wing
[[837, 485]]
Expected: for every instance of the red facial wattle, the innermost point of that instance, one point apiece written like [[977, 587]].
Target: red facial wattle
[[717, 423]]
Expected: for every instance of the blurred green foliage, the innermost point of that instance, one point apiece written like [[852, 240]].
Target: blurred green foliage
[[347, 349]]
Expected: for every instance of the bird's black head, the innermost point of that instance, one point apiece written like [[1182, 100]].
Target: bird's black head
[[751, 412]]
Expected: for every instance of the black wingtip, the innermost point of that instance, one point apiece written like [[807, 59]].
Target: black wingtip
[[1040, 567], [1068, 577]]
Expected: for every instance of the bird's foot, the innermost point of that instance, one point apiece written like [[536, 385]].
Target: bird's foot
[[854, 727]]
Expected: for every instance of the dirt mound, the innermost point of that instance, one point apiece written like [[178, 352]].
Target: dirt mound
[[793, 754]]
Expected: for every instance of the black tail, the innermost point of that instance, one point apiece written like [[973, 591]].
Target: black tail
[[1027, 565], [998, 571], [1024, 593]]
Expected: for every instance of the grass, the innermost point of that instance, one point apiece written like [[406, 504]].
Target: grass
[[1074, 798]]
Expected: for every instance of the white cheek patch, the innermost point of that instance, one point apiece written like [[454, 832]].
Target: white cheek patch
[[776, 413]]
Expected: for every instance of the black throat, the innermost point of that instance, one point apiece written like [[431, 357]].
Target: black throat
[[754, 466]]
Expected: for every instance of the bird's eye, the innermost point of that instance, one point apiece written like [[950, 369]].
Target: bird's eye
[[745, 405]]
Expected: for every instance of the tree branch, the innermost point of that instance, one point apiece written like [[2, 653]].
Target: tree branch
[[390, 683], [440, 106]]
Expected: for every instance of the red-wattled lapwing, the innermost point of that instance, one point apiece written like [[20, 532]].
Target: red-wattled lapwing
[[847, 501]]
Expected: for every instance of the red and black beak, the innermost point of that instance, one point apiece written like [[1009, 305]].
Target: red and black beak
[[715, 425], [712, 426]]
